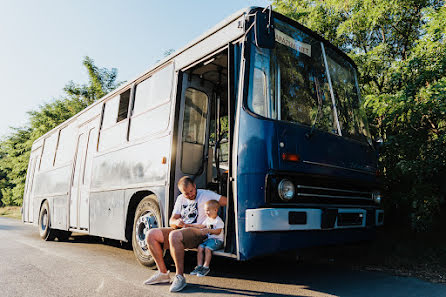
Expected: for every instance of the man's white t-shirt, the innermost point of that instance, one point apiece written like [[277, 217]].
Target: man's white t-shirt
[[192, 211], [216, 223]]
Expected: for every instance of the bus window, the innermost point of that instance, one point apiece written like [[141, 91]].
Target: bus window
[[110, 112], [153, 91], [194, 130], [65, 147], [123, 106], [114, 124], [49, 149]]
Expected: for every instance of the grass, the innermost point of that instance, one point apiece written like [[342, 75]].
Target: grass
[[11, 212]]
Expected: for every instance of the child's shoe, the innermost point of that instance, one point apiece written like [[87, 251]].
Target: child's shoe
[[203, 271], [196, 270]]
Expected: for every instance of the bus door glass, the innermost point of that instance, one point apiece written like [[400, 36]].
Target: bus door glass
[[193, 133]]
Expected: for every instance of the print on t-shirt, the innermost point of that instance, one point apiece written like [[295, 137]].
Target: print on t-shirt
[[189, 212]]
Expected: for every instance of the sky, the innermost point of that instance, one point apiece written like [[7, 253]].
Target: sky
[[43, 43]]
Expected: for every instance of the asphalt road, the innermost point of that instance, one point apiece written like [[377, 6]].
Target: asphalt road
[[85, 266]]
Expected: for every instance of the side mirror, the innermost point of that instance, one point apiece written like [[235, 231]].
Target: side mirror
[[378, 143], [264, 29]]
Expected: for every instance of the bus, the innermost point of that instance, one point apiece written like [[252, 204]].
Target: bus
[[259, 109]]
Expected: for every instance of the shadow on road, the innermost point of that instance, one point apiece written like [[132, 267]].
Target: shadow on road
[[311, 277]]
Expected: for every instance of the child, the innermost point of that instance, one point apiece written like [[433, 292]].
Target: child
[[214, 224]]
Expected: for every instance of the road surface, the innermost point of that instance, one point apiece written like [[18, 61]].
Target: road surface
[[85, 266]]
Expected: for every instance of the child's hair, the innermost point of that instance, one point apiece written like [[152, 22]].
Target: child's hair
[[213, 204]]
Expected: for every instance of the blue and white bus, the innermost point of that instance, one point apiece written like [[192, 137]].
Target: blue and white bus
[[259, 109]]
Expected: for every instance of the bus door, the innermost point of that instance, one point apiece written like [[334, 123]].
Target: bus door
[[28, 203], [79, 196], [205, 129]]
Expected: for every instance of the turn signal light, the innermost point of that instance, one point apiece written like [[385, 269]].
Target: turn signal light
[[290, 157]]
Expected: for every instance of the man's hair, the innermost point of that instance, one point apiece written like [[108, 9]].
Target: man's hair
[[185, 181], [212, 204]]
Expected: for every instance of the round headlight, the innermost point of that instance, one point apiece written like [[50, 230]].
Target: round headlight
[[286, 190], [377, 197]]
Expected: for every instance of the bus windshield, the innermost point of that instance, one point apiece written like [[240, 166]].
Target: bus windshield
[[291, 83]]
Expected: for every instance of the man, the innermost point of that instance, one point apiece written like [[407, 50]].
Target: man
[[188, 210]]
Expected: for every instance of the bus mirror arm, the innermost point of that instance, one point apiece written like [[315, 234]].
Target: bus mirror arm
[[264, 29]]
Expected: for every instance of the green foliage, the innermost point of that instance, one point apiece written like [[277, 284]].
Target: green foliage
[[400, 49], [15, 149]]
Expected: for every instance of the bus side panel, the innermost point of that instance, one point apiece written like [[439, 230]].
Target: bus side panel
[[59, 212], [118, 175], [134, 165], [53, 185], [107, 214]]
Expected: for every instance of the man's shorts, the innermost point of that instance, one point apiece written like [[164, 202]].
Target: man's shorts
[[192, 237], [212, 243]]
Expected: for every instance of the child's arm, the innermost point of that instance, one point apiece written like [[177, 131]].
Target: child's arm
[[215, 231], [198, 226]]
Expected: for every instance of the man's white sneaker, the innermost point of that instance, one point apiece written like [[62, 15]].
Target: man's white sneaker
[[178, 284], [158, 278]]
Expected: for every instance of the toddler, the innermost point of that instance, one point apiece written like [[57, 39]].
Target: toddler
[[214, 225]]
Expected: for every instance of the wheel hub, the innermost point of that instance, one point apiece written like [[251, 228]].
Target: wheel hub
[[44, 221], [144, 223]]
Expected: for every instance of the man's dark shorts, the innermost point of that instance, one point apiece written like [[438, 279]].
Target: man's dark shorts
[[191, 237]]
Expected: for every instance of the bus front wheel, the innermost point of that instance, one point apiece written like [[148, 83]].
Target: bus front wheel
[[147, 216], [45, 231]]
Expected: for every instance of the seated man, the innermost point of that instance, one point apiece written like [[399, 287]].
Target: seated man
[[188, 210]]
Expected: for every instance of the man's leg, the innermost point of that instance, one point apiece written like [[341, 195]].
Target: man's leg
[[181, 239], [177, 250], [155, 242]]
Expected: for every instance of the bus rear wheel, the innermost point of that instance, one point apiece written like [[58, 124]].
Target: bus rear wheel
[[147, 216], [45, 231]]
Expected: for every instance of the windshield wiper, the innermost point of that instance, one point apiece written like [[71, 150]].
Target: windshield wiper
[[319, 108]]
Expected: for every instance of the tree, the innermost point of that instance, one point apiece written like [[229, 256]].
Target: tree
[[15, 149], [399, 47]]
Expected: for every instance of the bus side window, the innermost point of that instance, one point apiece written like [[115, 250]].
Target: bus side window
[[114, 124], [49, 149], [151, 109], [123, 109], [66, 145]]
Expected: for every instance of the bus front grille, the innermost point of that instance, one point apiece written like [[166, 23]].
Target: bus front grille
[[324, 192]]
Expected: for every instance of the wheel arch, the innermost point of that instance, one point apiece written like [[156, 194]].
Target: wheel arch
[[131, 208]]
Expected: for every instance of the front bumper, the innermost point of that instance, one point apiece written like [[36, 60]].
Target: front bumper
[[289, 219]]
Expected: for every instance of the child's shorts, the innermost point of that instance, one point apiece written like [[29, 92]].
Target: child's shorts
[[212, 244]]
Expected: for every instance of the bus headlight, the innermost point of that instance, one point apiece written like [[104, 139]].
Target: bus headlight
[[377, 197], [286, 190]]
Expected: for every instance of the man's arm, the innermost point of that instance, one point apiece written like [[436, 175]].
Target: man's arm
[[176, 221]]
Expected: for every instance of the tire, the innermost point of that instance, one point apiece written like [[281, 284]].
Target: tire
[[147, 216], [45, 231]]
